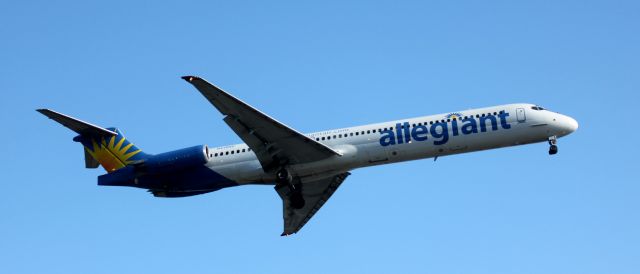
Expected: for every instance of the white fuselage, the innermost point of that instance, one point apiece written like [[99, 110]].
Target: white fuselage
[[405, 140]]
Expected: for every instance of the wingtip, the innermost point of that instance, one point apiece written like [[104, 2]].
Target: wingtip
[[189, 78], [43, 110]]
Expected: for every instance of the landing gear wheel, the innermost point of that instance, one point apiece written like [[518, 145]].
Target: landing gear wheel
[[282, 176], [284, 179], [553, 149]]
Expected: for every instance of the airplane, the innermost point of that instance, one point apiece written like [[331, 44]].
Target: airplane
[[305, 169]]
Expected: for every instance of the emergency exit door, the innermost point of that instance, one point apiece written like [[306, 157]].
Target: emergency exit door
[[521, 115]]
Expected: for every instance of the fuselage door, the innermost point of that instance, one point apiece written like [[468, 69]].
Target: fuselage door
[[521, 116], [376, 153]]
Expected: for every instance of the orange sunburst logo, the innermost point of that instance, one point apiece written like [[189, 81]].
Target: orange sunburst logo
[[111, 155], [454, 115]]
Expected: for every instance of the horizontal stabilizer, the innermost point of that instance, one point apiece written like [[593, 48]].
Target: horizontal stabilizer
[[105, 147], [81, 127]]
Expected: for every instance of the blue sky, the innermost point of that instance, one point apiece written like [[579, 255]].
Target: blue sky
[[317, 66]]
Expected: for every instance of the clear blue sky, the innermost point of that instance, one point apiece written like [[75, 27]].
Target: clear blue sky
[[317, 66]]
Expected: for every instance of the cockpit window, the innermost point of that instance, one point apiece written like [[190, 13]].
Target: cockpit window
[[537, 108]]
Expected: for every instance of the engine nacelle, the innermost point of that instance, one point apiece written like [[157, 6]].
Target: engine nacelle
[[175, 160]]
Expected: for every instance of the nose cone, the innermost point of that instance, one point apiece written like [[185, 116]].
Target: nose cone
[[573, 124], [568, 125]]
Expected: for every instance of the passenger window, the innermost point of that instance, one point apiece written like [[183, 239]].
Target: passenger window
[[215, 155], [322, 138], [226, 153]]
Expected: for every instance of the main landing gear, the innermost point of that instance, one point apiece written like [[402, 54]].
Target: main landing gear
[[553, 148], [295, 188]]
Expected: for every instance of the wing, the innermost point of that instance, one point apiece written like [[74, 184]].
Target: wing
[[274, 143], [315, 194]]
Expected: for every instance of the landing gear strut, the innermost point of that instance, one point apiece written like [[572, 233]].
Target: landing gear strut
[[553, 148], [296, 200]]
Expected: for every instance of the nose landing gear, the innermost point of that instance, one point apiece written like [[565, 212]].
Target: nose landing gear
[[553, 148], [283, 178]]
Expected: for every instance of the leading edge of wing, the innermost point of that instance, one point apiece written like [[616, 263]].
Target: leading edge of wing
[[201, 84]]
